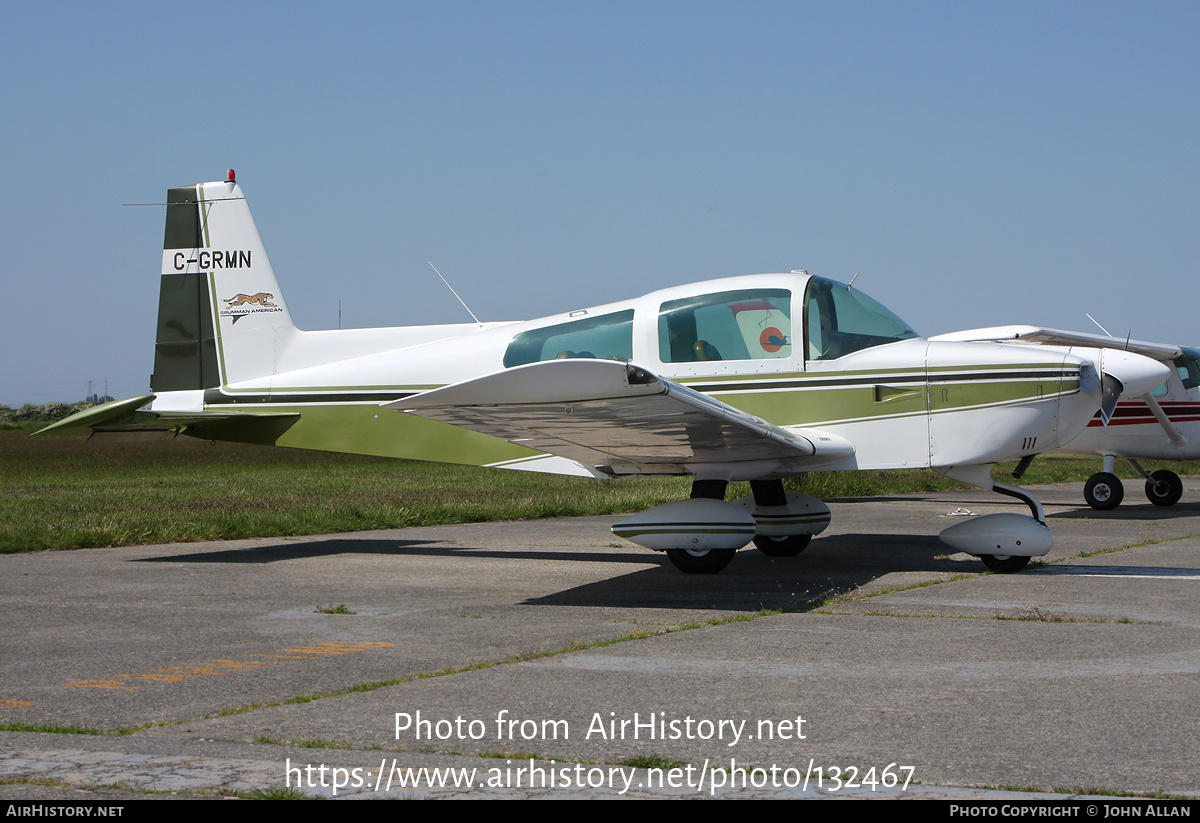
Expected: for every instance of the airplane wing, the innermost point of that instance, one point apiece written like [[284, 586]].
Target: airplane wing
[[1057, 337], [621, 419]]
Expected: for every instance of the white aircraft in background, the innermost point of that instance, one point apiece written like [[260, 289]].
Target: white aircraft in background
[[1162, 424], [753, 378]]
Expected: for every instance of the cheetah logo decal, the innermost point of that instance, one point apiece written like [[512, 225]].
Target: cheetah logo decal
[[263, 298], [240, 305]]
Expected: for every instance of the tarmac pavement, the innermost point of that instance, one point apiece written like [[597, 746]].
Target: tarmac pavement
[[876, 664]]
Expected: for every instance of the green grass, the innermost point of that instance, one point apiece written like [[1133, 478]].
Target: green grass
[[58, 728], [303, 743], [1097, 791], [50, 728], [135, 791], [61, 492], [273, 794]]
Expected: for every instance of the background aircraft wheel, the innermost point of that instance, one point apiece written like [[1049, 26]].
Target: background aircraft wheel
[[1164, 488], [788, 546], [1104, 491], [1004, 563], [707, 561]]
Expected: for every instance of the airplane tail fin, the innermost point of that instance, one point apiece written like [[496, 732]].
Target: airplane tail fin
[[221, 317]]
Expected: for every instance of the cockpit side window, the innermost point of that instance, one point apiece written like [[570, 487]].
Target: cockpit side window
[[840, 320], [1188, 366], [606, 337], [747, 324]]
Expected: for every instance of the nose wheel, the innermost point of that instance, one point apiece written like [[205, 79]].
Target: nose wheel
[[1164, 488], [1004, 563]]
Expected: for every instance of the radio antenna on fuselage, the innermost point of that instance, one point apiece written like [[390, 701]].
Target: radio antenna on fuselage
[[1097, 322], [1128, 334], [452, 291]]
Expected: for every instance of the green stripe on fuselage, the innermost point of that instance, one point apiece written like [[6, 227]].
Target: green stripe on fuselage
[[825, 398]]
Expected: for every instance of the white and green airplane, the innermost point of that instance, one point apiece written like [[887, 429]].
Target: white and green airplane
[[753, 378]]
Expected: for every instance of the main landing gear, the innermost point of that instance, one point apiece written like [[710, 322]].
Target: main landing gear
[[1104, 490], [701, 534], [700, 561], [789, 546], [703, 561], [776, 510]]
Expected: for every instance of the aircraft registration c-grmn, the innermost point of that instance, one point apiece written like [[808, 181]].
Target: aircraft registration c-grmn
[[752, 378], [1163, 424]]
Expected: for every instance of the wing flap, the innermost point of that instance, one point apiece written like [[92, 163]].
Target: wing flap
[[620, 419]]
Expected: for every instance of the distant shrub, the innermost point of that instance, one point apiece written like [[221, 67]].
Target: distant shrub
[[45, 414]]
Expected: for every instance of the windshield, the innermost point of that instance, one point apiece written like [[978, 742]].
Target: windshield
[[840, 320]]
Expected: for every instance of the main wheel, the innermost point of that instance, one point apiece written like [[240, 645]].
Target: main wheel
[[1164, 488], [1004, 563], [787, 546], [700, 561], [1103, 491]]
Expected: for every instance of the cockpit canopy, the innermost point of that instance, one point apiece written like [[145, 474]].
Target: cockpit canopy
[[731, 324]]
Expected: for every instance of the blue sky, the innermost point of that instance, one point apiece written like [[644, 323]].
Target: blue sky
[[973, 163]]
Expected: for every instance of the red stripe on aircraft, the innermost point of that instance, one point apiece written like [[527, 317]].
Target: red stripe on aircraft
[[1139, 414]]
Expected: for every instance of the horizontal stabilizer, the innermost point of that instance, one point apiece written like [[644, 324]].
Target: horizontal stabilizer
[[112, 411], [621, 419], [123, 416]]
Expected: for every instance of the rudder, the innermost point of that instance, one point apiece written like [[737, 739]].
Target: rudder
[[221, 316]]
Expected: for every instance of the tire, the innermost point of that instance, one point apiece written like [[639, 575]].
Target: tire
[[709, 561], [1104, 491], [1164, 488], [788, 546], [1004, 563]]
